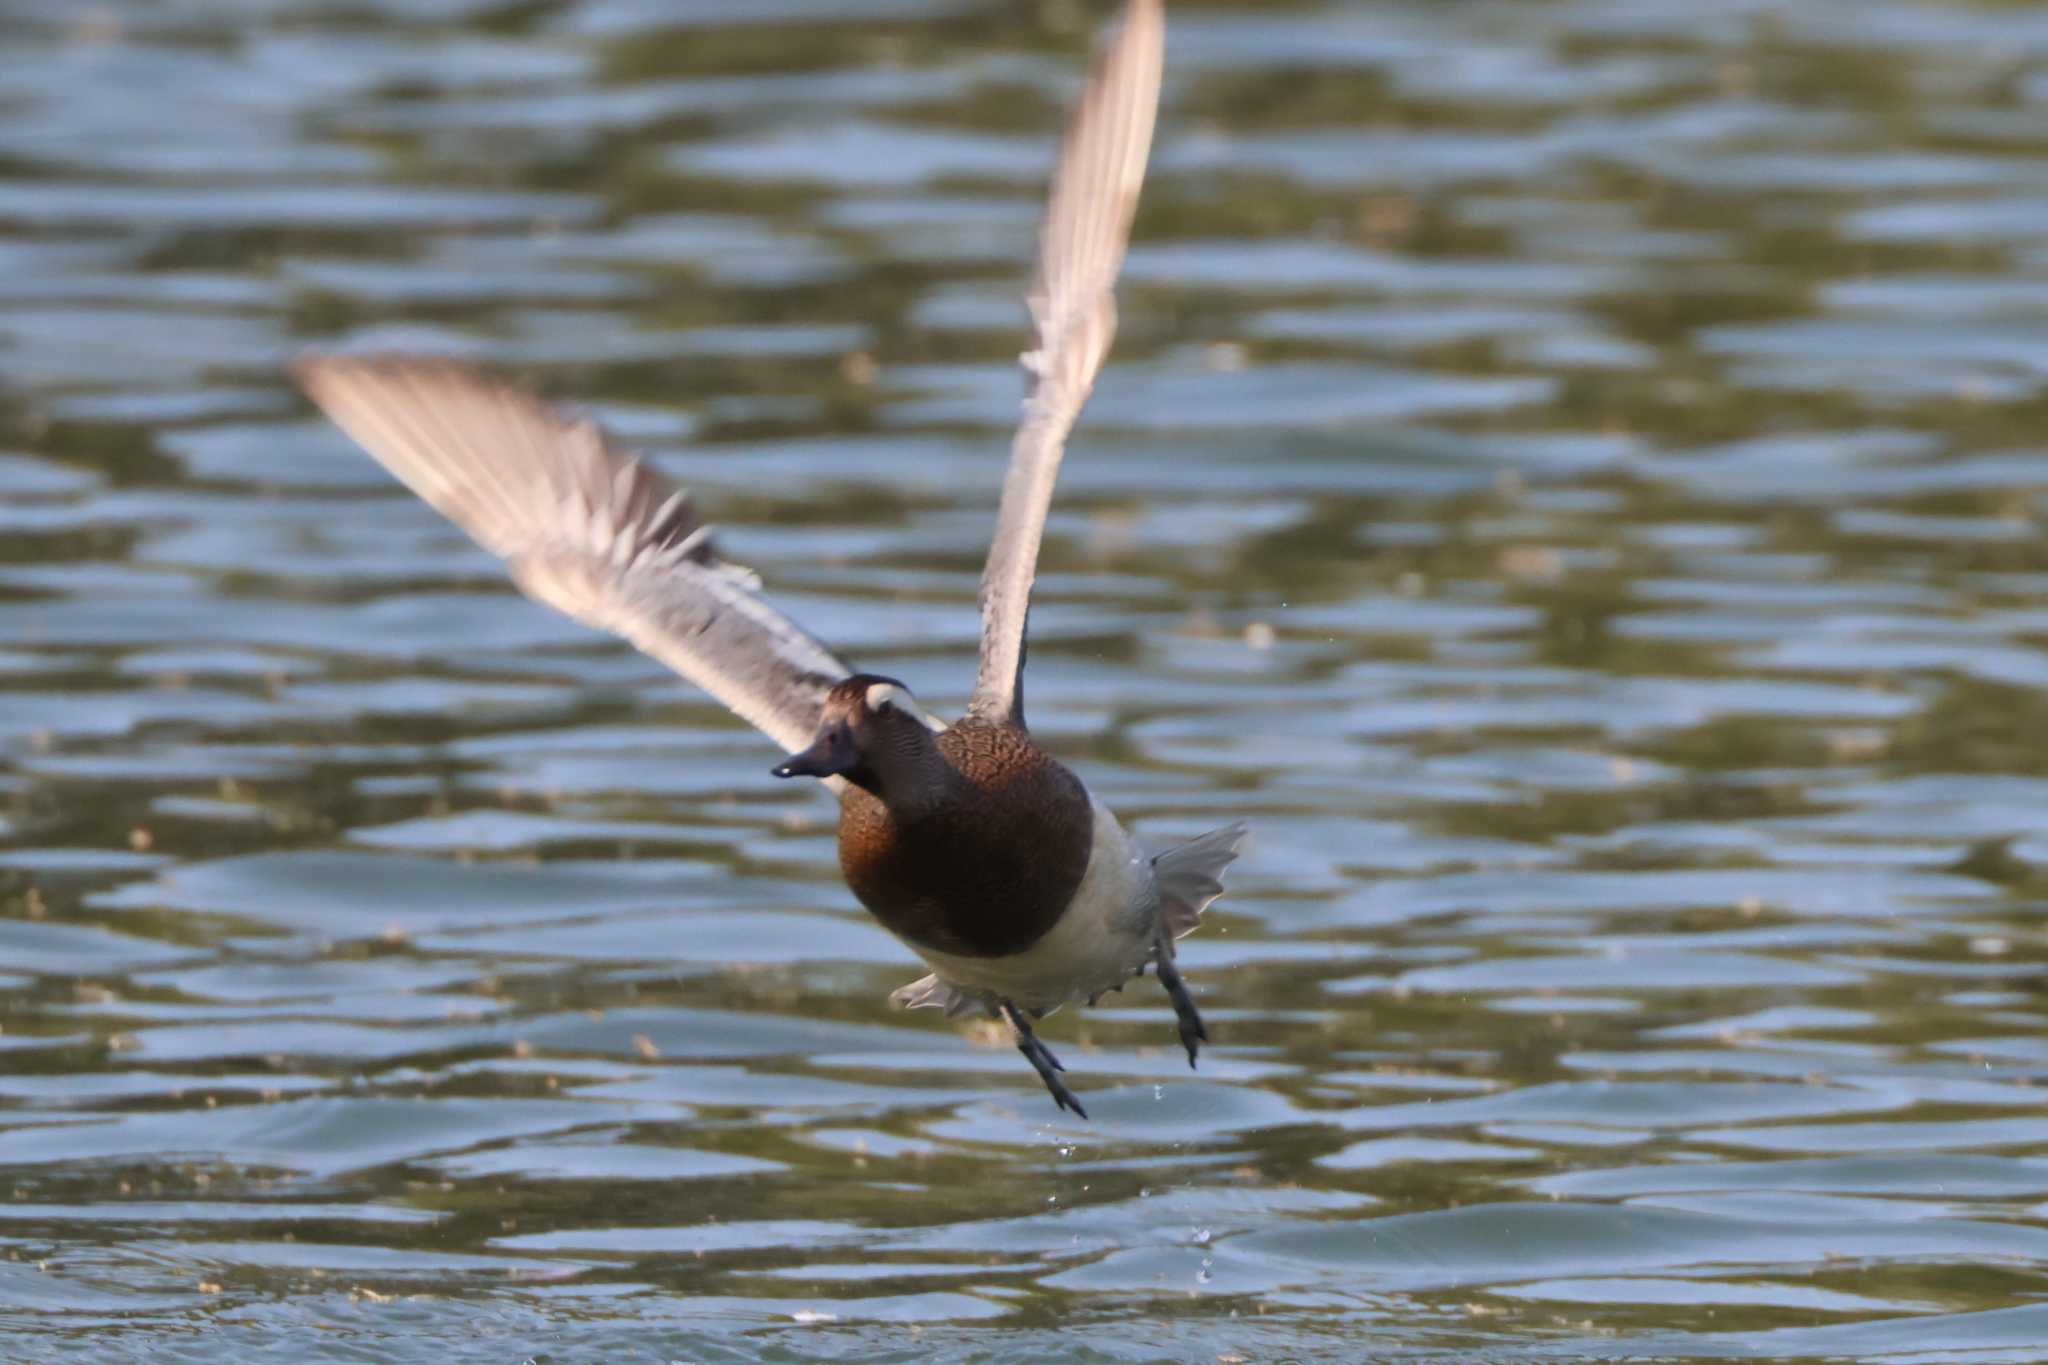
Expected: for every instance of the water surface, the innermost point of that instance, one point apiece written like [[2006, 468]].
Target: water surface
[[1570, 478]]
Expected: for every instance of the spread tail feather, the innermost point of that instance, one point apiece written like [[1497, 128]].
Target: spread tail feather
[[1190, 876]]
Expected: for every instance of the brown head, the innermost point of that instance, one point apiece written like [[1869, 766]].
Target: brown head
[[872, 733]]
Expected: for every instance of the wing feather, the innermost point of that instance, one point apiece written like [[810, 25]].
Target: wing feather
[[1073, 315], [585, 528]]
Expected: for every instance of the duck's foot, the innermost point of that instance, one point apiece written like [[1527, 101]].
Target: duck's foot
[[1042, 1061], [1193, 1033]]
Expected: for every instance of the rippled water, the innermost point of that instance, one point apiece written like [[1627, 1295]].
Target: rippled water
[[1570, 478]]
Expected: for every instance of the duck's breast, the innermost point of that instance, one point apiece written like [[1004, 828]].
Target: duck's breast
[[983, 869], [1105, 936]]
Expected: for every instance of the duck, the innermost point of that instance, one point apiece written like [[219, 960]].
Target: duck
[[976, 848]]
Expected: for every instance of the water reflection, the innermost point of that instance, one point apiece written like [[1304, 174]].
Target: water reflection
[[1569, 478]]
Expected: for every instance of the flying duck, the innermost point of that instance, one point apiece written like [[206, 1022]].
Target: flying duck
[[977, 849]]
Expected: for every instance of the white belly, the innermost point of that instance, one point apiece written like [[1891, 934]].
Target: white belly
[[1106, 935]]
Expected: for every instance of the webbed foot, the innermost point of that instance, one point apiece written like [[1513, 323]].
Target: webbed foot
[[1193, 1033], [1042, 1061]]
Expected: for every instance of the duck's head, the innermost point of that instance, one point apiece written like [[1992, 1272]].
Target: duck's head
[[871, 731]]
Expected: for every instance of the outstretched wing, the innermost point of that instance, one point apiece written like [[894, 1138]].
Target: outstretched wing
[[585, 528], [1073, 314]]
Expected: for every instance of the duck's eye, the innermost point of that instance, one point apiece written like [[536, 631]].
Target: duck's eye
[[880, 695]]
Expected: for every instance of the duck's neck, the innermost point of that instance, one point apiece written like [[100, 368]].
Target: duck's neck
[[910, 777]]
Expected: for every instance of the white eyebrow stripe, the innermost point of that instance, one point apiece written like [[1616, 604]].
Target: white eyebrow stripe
[[880, 694]]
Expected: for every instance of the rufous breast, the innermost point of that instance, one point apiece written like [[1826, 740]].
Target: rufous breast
[[983, 865]]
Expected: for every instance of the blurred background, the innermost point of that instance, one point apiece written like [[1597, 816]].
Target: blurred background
[[1570, 476]]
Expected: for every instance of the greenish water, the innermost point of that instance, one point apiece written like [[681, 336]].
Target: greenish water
[[1570, 477]]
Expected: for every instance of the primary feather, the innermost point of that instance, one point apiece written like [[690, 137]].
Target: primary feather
[[585, 528], [1073, 316]]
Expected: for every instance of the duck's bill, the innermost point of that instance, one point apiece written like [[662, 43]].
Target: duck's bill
[[830, 755]]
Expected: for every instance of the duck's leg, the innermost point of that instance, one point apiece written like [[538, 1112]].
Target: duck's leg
[[1042, 1061], [1193, 1033]]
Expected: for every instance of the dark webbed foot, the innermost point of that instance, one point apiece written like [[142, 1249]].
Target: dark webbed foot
[[1042, 1061], [1193, 1033]]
